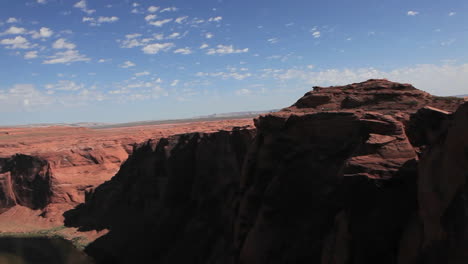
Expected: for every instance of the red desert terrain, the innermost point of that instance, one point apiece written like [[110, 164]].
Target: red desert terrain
[[45, 171]]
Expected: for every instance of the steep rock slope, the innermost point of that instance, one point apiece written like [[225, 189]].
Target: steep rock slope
[[181, 190], [345, 175]]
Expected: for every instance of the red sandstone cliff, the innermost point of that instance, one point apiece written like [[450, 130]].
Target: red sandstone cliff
[[349, 174]]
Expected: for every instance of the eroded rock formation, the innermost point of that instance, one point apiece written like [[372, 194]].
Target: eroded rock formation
[[372, 172]]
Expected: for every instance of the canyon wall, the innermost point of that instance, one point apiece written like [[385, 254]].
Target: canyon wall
[[371, 172]]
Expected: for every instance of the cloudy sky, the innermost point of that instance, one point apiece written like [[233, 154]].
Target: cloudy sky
[[117, 61]]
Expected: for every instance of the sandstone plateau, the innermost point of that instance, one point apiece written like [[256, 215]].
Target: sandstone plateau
[[372, 172]]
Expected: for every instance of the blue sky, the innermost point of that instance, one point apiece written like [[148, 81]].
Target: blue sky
[[118, 61]]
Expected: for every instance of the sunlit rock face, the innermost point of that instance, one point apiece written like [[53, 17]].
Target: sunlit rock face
[[371, 172]]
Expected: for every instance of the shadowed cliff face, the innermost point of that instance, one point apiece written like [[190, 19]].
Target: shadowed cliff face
[[347, 175], [181, 190], [24, 180]]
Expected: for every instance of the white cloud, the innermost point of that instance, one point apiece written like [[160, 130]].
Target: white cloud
[[150, 17], [134, 35], [183, 51], [225, 49], [23, 96], [102, 60], [83, 6], [169, 9], [204, 46], [233, 73], [174, 83], [160, 23], [243, 91], [173, 35], [448, 42], [18, 42], [63, 44], [66, 57], [127, 64], [272, 40], [452, 13], [30, 55], [111, 19], [64, 85], [97, 22], [412, 13], [446, 79], [153, 9], [12, 20], [142, 73], [43, 33], [157, 47], [180, 20], [41, 1], [14, 31], [215, 19], [316, 34], [209, 35]]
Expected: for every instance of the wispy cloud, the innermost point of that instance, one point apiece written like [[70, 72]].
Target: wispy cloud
[[111, 19], [66, 57], [127, 64], [12, 20], [153, 9], [157, 47], [180, 20], [160, 23], [18, 42], [42, 33], [82, 5], [63, 44], [226, 49], [150, 17], [169, 9], [215, 19], [183, 51], [30, 55], [272, 40], [64, 85], [412, 13], [14, 31], [138, 74]]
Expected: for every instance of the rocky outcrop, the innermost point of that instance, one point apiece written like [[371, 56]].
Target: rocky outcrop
[[438, 232], [349, 174], [25, 181]]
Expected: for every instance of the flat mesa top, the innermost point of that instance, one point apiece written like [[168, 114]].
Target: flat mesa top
[[36, 140]]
